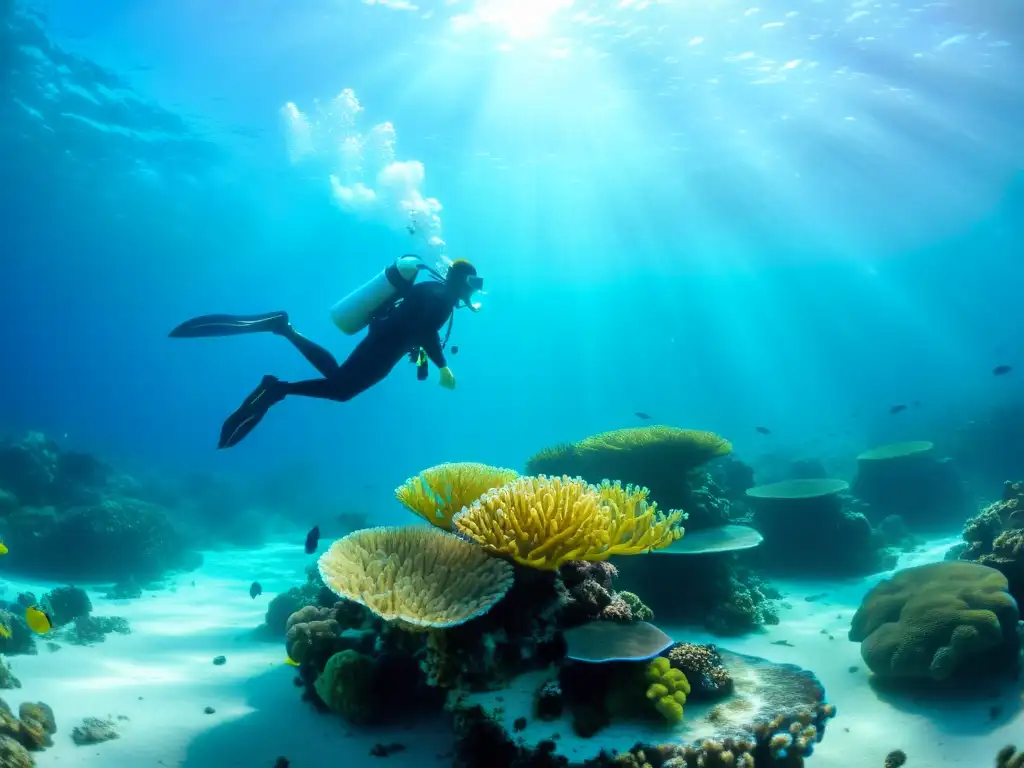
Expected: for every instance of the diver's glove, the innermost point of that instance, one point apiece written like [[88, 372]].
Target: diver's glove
[[447, 378]]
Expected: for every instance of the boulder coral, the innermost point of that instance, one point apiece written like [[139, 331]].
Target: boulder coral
[[939, 623]]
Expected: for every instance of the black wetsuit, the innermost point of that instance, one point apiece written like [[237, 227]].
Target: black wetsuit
[[416, 321]]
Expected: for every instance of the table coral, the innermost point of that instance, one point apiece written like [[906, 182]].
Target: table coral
[[415, 576]]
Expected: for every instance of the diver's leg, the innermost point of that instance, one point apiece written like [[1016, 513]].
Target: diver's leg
[[370, 363], [251, 411], [317, 356]]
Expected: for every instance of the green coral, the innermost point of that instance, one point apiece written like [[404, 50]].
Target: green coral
[[347, 687], [668, 689], [639, 611], [936, 622]]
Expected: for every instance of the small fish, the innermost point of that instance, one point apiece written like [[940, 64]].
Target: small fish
[[290, 661], [282, 762], [455, 349], [898, 408], [38, 620], [642, 415], [1001, 370], [5, 632], [3, 548], [783, 642], [763, 430], [255, 590], [312, 539]]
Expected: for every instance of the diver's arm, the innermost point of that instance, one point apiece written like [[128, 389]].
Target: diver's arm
[[432, 346]]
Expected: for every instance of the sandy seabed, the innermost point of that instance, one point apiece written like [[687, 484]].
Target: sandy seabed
[[161, 677]]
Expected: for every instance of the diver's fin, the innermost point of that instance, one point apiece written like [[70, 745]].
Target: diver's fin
[[230, 325], [250, 412]]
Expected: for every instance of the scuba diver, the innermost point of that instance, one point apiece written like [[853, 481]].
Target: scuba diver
[[403, 317]]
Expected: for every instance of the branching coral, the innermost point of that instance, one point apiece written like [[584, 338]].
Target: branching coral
[[438, 493], [417, 577], [667, 689], [545, 522]]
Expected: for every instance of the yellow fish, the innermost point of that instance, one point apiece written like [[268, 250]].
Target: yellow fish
[[3, 548], [5, 632], [38, 621], [290, 661]]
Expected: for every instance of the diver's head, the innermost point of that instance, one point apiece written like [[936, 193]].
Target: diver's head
[[464, 281]]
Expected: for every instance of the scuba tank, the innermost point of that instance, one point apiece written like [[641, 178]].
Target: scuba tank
[[353, 313]]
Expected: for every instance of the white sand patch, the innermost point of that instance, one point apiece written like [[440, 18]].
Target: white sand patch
[[162, 676]]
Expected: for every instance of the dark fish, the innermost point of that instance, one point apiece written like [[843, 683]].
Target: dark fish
[[455, 349], [897, 408], [255, 590], [312, 539], [1001, 370], [282, 762], [763, 430], [784, 642], [642, 415]]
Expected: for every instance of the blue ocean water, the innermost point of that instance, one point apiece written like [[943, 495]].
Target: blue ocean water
[[720, 214]]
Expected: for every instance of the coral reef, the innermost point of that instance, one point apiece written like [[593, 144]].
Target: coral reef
[[809, 530], [1009, 757], [907, 479], [667, 689], [942, 623], [22, 639], [590, 595], [65, 604], [438, 493], [32, 728], [546, 522], [994, 537], [283, 605], [714, 590], [703, 667], [658, 458], [71, 516], [419, 577], [348, 687], [775, 717], [94, 730]]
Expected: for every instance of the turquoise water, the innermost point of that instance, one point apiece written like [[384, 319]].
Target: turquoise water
[[797, 225]]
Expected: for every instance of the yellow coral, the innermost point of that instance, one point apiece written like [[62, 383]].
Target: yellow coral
[[632, 454], [415, 576], [668, 689], [438, 493], [544, 522]]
